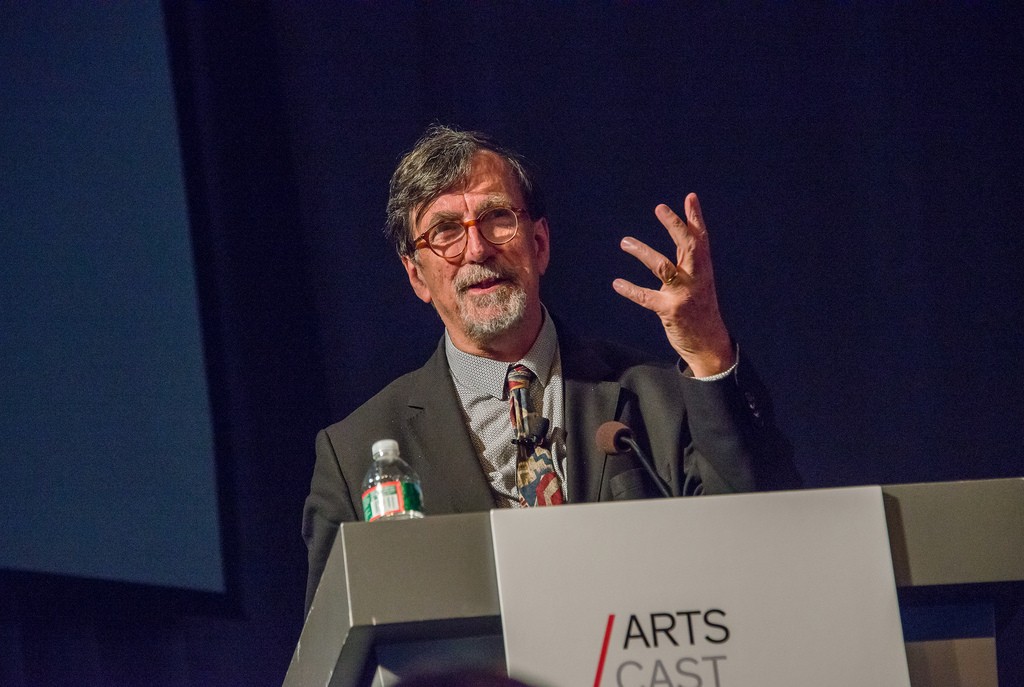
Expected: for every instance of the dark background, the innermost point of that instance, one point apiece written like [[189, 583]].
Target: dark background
[[860, 169]]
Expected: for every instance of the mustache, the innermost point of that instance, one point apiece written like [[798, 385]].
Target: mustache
[[474, 274]]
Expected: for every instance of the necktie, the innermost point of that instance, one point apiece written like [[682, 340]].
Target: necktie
[[535, 468]]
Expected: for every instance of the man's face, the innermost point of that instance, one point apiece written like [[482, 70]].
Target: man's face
[[489, 297]]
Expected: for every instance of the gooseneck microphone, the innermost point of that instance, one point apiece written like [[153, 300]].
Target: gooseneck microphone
[[614, 438]]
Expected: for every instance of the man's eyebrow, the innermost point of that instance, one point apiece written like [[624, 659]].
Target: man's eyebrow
[[445, 216], [495, 200]]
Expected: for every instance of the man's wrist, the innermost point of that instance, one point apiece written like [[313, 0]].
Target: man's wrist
[[715, 376]]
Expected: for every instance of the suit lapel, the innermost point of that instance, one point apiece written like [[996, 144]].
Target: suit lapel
[[443, 455], [590, 399]]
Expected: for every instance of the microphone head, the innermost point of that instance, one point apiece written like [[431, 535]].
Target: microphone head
[[610, 435]]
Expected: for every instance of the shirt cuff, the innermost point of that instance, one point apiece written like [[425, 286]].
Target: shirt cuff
[[721, 375]]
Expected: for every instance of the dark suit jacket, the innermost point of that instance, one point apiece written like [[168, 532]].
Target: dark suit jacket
[[705, 437]]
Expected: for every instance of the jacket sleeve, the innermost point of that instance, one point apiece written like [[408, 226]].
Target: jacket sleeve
[[328, 505], [735, 443]]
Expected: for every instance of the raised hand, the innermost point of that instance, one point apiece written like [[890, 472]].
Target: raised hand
[[686, 302]]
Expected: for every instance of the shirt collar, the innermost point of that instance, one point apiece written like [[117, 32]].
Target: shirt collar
[[487, 376]]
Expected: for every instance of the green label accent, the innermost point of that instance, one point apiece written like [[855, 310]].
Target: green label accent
[[388, 498]]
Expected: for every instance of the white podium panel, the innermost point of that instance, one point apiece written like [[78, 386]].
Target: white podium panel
[[773, 590]]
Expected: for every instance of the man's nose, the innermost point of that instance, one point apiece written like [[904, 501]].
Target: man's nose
[[478, 249]]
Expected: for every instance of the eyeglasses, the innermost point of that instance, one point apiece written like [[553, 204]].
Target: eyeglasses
[[448, 238]]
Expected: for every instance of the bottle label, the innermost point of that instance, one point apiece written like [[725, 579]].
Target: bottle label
[[389, 498]]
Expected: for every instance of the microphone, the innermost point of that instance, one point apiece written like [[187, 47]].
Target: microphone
[[614, 438]]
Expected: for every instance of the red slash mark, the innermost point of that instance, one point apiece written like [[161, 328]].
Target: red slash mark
[[604, 650]]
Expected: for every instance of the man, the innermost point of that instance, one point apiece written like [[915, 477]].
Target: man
[[468, 222]]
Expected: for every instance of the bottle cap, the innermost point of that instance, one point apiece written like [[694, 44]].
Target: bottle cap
[[382, 446]]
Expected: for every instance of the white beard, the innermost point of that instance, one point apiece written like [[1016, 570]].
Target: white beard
[[490, 315]]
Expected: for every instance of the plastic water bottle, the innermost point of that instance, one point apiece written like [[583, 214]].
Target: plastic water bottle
[[391, 489]]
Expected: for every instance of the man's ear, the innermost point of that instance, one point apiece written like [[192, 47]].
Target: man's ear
[[542, 244], [412, 269]]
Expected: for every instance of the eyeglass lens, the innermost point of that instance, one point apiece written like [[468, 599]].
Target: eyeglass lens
[[497, 225]]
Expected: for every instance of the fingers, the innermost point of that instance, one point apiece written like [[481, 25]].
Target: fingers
[[695, 215], [690, 237], [687, 233], [662, 267], [675, 224], [647, 298]]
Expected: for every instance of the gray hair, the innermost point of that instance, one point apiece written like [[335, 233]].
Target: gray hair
[[440, 161]]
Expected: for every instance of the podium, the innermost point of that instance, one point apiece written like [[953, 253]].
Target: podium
[[397, 595]]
